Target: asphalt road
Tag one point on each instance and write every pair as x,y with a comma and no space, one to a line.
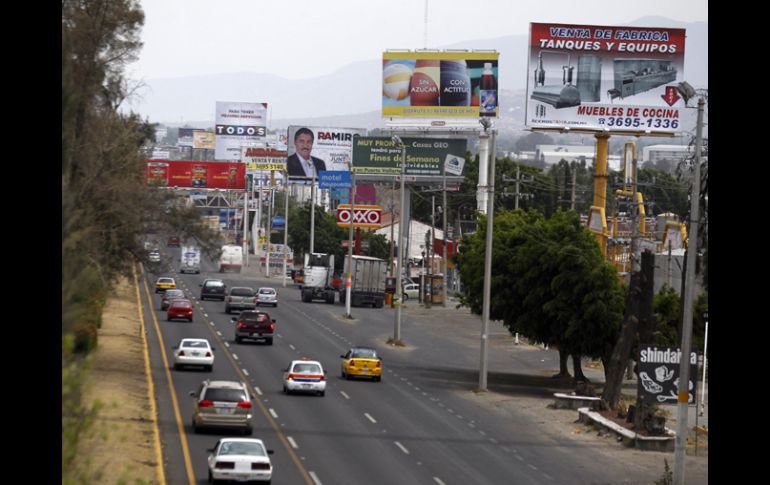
416,426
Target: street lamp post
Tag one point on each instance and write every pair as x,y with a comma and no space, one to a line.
399,247
349,275
680,442
490,192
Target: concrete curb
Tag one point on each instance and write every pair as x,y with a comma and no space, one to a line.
629,438
569,401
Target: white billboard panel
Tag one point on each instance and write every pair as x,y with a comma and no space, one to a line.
238,125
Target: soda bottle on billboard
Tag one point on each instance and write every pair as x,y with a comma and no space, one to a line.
199,177
424,86
455,84
488,92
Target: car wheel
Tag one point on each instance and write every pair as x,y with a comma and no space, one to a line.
285,390
322,393
378,379
168,319
342,374
248,431
269,341
176,366
211,478
406,297
227,310
191,319
195,428
209,368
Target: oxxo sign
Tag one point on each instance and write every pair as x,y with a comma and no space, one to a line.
363,216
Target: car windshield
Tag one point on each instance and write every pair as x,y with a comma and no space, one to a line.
180,304
307,368
214,284
225,395
242,292
165,280
266,291
364,354
241,448
173,294
197,344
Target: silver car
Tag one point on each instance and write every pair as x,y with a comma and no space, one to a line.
222,404
240,298
267,296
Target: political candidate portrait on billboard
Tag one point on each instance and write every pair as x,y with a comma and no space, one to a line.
301,163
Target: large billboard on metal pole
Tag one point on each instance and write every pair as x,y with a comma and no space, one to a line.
424,156
326,148
196,174
605,78
440,84
238,125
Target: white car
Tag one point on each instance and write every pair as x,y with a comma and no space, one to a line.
411,290
240,459
194,351
304,376
267,296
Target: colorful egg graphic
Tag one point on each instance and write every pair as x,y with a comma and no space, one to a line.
395,81
424,88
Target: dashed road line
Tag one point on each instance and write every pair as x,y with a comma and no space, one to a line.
245,371
532,466
549,477
259,391
272,413
344,395
518,457
438,480
227,344
292,442
493,441
292,347
370,418
315,478
219,333
402,447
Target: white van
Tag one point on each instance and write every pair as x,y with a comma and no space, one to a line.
191,260
232,258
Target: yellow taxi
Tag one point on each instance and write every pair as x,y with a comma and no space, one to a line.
362,362
163,284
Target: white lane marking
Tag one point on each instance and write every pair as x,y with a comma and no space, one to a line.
471,425
235,356
549,477
370,418
493,441
402,447
438,480
245,371
518,457
211,323
227,344
532,466
315,478
259,391
292,442
344,395
219,333
272,413
292,347
506,449
416,388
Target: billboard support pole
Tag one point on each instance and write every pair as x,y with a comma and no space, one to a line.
285,224
348,276
487,302
244,238
399,247
312,212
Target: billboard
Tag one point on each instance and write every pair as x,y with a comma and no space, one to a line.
204,140
237,125
424,156
185,138
440,84
616,79
368,216
198,175
258,159
659,374
327,148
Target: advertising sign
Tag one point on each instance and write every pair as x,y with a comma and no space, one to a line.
440,84
185,138
198,175
322,148
334,179
659,374
363,216
263,158
237,125
204,140
424,156
616,79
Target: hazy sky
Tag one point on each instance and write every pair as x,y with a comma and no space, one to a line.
307,38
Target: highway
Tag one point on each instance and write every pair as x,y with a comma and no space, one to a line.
416,426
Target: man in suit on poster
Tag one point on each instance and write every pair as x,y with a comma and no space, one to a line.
301,163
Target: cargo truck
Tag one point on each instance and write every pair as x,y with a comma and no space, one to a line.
367,283
191,260
231,259
318,271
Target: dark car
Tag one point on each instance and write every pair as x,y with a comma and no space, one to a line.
169,295
252,324
213,289
173,241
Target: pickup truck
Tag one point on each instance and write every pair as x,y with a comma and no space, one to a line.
252,324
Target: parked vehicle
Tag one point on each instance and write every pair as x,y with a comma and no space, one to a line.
368,281
222,404
240,459
318,271
213,288
231,259
190,260
240,298
194,351
253,324
411,290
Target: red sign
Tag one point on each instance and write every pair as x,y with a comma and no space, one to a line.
196,175
364,216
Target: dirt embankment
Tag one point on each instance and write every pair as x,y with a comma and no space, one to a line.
121,448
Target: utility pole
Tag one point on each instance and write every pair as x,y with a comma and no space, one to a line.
430,246
349,275
680,442
490,209
516,197
634,216
285,224
574,180
312,212
443,256
400,251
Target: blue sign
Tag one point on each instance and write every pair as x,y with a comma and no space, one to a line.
334,179
278,222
